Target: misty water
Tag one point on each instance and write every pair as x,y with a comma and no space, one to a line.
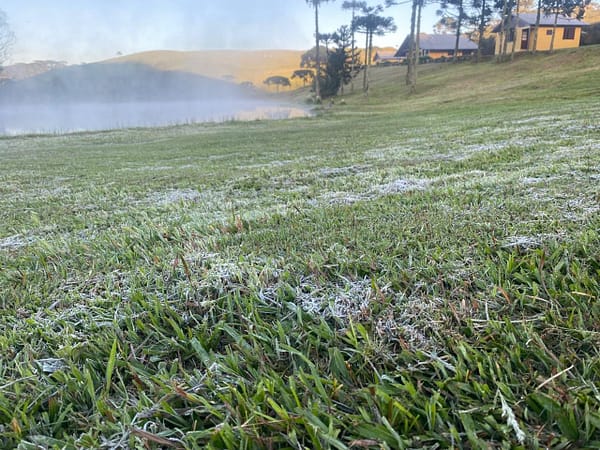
88,116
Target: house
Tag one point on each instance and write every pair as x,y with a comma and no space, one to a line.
521,32
386,58
438,46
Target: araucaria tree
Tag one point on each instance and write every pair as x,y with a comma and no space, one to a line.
315,4
371,23
340,66
353,6
304,74
277,80
6,38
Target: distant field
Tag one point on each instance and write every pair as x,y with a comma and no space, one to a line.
398,272
235,65
238,66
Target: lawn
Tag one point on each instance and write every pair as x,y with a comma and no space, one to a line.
396,272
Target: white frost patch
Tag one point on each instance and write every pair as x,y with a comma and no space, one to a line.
530,242
338,171
348,300
15,241
409,319
174,196
345,198
146,169
581,208
377,191
401,185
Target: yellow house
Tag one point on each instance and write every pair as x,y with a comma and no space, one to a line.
521,33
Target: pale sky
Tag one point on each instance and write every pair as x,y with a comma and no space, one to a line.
91,30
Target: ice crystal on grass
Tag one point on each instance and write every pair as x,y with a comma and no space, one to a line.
348,300
16,241
174,196
338,171
511,420
401,185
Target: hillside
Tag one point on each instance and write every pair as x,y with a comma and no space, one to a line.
20,71
536,78
115,82
231,65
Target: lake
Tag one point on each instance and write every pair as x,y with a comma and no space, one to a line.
74,117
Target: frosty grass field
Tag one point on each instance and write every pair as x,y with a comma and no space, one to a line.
385,275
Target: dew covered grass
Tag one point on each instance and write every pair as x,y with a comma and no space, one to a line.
385,275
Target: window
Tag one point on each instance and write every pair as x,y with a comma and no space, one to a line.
569,33
548,32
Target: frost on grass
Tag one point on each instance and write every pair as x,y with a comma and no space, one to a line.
397,319
530,242
348,300
16,241
174,196
346,198
413,321
376,191
340,171
402,185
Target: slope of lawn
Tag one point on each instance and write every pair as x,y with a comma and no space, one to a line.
397,272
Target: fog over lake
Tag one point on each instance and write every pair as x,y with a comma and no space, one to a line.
89,116
108,96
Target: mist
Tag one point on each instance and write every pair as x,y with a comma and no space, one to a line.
105,96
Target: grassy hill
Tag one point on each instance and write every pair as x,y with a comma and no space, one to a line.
399,271
115,82
231,65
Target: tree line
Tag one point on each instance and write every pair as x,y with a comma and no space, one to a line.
329,69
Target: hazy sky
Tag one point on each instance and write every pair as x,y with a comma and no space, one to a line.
89,30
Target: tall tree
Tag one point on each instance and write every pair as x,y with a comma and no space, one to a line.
507,22
415,27
457,13
7,38
482,18
339,70
354,6
315,4
371,23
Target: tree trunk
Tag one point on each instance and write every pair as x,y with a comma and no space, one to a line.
481,30
537,25
458,26
418,38
502,44
365,75
554,31
411,79
352,63
318,74
514,45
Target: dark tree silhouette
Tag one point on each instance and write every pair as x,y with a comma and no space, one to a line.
315,4
277,80
354,6
304,74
